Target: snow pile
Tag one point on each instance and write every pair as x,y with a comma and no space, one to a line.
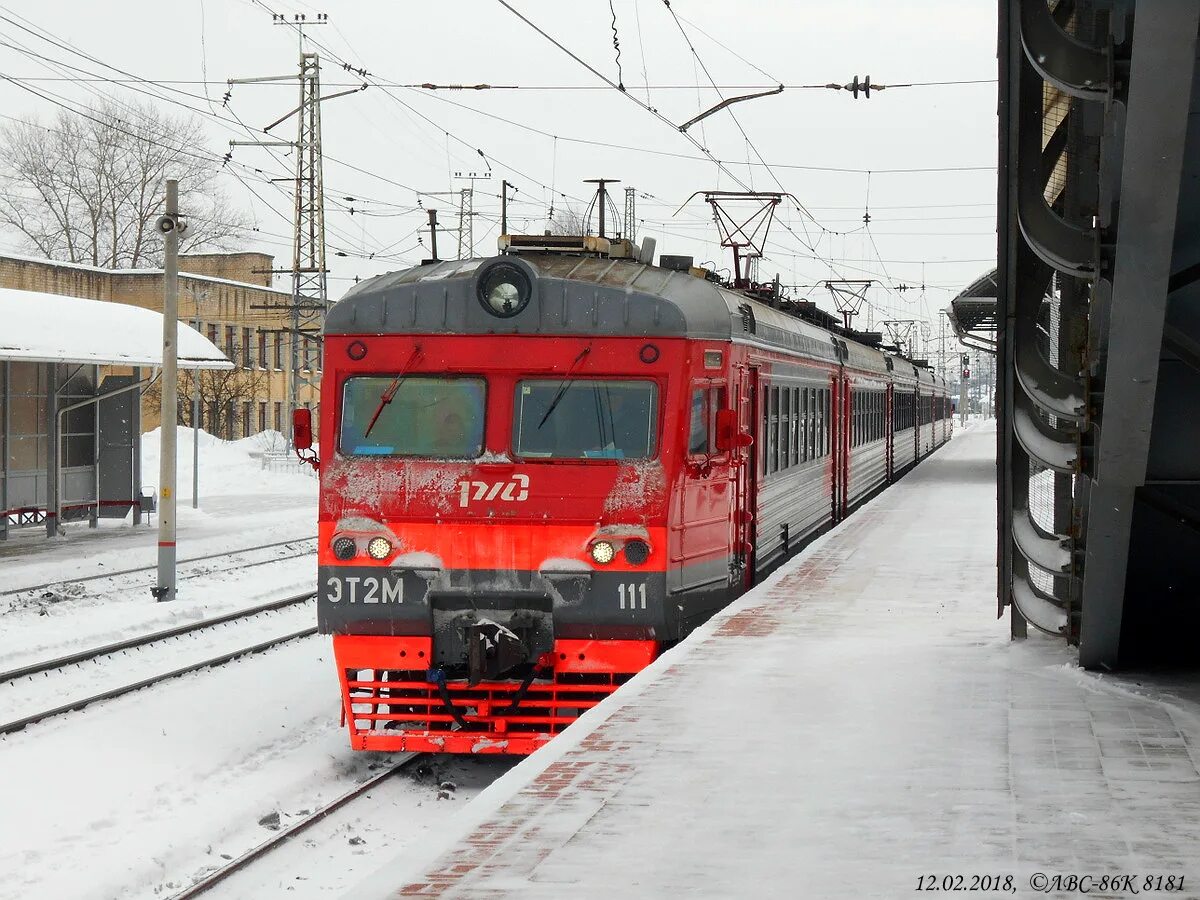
226,467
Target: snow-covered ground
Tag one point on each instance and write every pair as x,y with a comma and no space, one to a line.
241,506
859,725
140,796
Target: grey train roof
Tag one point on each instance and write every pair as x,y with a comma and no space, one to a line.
574,295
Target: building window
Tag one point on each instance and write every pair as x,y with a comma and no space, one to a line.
262,415
247,422
247,349
279,417
229,333
262,350
212,333
279,350
310,353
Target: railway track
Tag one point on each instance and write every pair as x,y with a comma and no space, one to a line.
8,592
214,878
97,654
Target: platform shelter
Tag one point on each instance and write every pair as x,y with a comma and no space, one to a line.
71,371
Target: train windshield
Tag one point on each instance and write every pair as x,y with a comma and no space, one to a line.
440,418
585,419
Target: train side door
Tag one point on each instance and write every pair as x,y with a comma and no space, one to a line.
843,442
707,496
747,394
916,422
889,432
835,446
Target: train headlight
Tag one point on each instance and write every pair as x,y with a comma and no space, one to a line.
344,548
602,552
379,548
636,552
504,289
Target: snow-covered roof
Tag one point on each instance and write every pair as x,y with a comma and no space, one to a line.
118,273
39,327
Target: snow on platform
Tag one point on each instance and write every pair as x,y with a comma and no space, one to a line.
857,722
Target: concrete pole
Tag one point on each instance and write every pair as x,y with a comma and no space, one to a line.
169,227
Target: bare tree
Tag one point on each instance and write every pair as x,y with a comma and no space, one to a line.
87,188
222,393
566,220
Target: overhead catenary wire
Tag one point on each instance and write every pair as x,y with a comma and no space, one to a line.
234,123
462,87
255,171
252,174
484,156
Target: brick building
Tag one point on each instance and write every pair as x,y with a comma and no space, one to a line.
228,297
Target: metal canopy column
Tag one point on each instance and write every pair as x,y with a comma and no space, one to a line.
1164,45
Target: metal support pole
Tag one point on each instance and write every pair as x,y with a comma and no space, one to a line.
433,234
962,394
54,457
170,227
196,424
135,430
503,208
6,434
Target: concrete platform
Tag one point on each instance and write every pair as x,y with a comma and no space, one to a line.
857,723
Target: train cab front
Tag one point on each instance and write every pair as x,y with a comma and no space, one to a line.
493,543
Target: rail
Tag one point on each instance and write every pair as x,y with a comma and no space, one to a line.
212,662
193,559
214,878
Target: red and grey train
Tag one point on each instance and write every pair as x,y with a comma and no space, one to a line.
545,468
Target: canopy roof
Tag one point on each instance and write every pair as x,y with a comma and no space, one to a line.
39,327
972,313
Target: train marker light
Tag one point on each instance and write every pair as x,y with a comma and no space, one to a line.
636,552
602,552
379,548
344,548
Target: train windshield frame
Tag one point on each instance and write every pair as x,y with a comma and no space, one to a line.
426,416
585,419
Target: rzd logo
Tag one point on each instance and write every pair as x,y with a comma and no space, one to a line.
515,491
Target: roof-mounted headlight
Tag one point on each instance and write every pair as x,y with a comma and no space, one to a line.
504,289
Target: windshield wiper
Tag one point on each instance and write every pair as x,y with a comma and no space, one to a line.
562,388
389,394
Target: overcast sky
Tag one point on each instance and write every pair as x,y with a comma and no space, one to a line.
931,226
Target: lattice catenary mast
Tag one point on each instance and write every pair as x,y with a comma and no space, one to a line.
310,295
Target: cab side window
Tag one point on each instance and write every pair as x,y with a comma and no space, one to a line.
702,430
698,433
